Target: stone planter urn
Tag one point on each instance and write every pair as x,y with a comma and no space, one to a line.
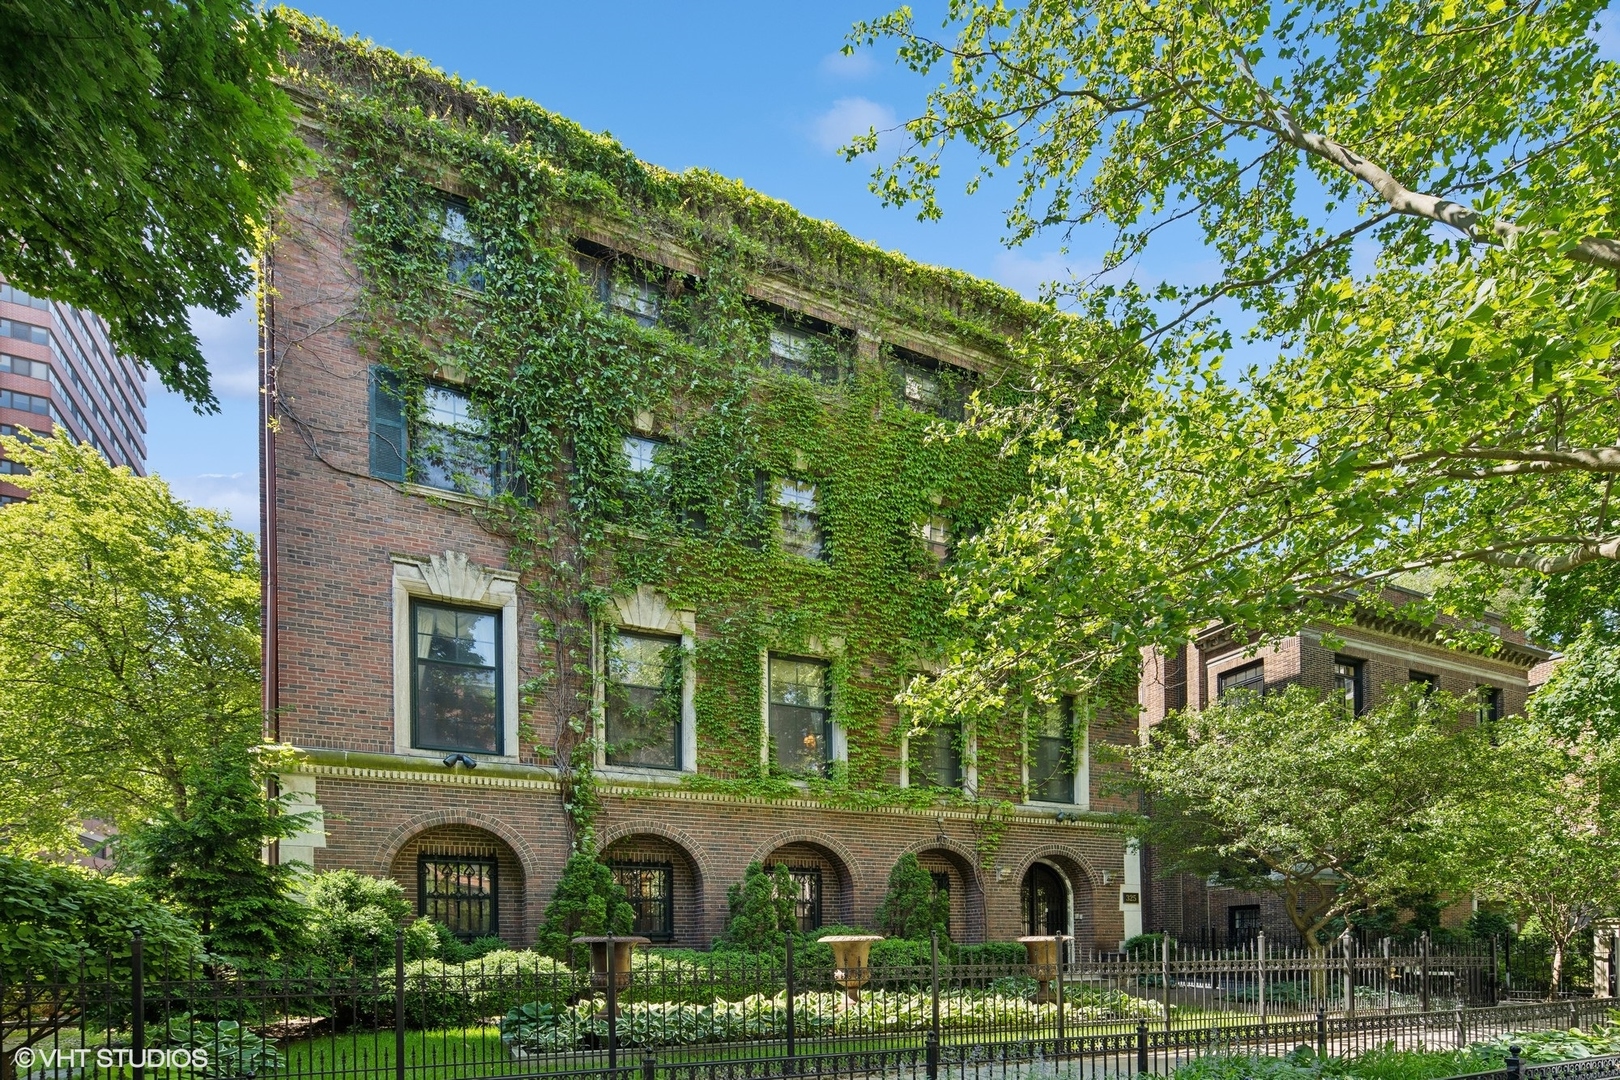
621,947
1043,963
852,959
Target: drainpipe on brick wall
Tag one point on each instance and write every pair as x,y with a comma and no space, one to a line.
268,620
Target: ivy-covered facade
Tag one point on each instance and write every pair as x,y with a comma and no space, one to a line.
609,509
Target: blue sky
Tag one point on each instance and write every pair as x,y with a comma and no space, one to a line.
756,91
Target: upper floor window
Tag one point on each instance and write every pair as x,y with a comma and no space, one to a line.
642,701
1347,684
1250,677
22,331
934,757
450,449
455,679
927,385
641,454
1054,754
936,536
801,519
806,347
1427,679
623,285
463,256
17,296
800,717
1490,703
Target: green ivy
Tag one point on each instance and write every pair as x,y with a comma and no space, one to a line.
560,378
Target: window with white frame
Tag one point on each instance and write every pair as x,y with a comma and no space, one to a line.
456,679
642,701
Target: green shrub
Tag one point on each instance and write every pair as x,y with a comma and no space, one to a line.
587,901
686,975
912,907
992,953
234,1052
452,950
1144,946
440,993
353,920
761,910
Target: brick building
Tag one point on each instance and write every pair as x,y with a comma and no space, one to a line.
57,369
421,669
1367,659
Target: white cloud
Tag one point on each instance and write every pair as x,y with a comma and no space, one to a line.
1026,273
849,117
236,494
230,344
857,65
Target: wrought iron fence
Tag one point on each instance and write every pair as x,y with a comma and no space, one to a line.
714,1016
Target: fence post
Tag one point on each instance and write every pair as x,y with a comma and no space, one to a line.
1387,969
1494,995
649,1067
790,1006
1260,972
1321,1032
1164,950
1349,974
1462,1031
1423,972
399,1006
137,1001
1060,959
1513,1066
612,1005
933,963
931,1055
1573,1022
1141,1047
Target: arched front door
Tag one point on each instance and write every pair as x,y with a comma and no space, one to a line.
1046,901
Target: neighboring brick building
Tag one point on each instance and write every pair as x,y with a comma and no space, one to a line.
1371,655
57,369
400,640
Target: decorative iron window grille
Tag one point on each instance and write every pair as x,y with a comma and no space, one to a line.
1243,923
806,896
460,893
1250,677
455,679
650,889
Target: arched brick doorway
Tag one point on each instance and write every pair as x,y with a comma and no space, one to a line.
466,878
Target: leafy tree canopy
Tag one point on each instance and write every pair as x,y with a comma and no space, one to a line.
1412,207
129,635
1338,814
142,149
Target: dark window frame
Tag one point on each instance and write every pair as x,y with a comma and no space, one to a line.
677,665
665,930
1250,677
827,723
491,897
1357,679
957,767
1239,913
951,403
819,370
463,258
1492,705
1068,721
1430,681
807,911
602,266
498,667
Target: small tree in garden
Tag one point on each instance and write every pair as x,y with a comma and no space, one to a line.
912,907
762,909
587,901
209,865
354,918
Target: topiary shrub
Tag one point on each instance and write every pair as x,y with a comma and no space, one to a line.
762,910
587,901
353,920
912,907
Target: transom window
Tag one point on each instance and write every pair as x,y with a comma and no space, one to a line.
1250,677
452,450
463,256
801,519
650,889
642,701
459,893
936,757
455,679
936,536
1052,755
800,719
1347,683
